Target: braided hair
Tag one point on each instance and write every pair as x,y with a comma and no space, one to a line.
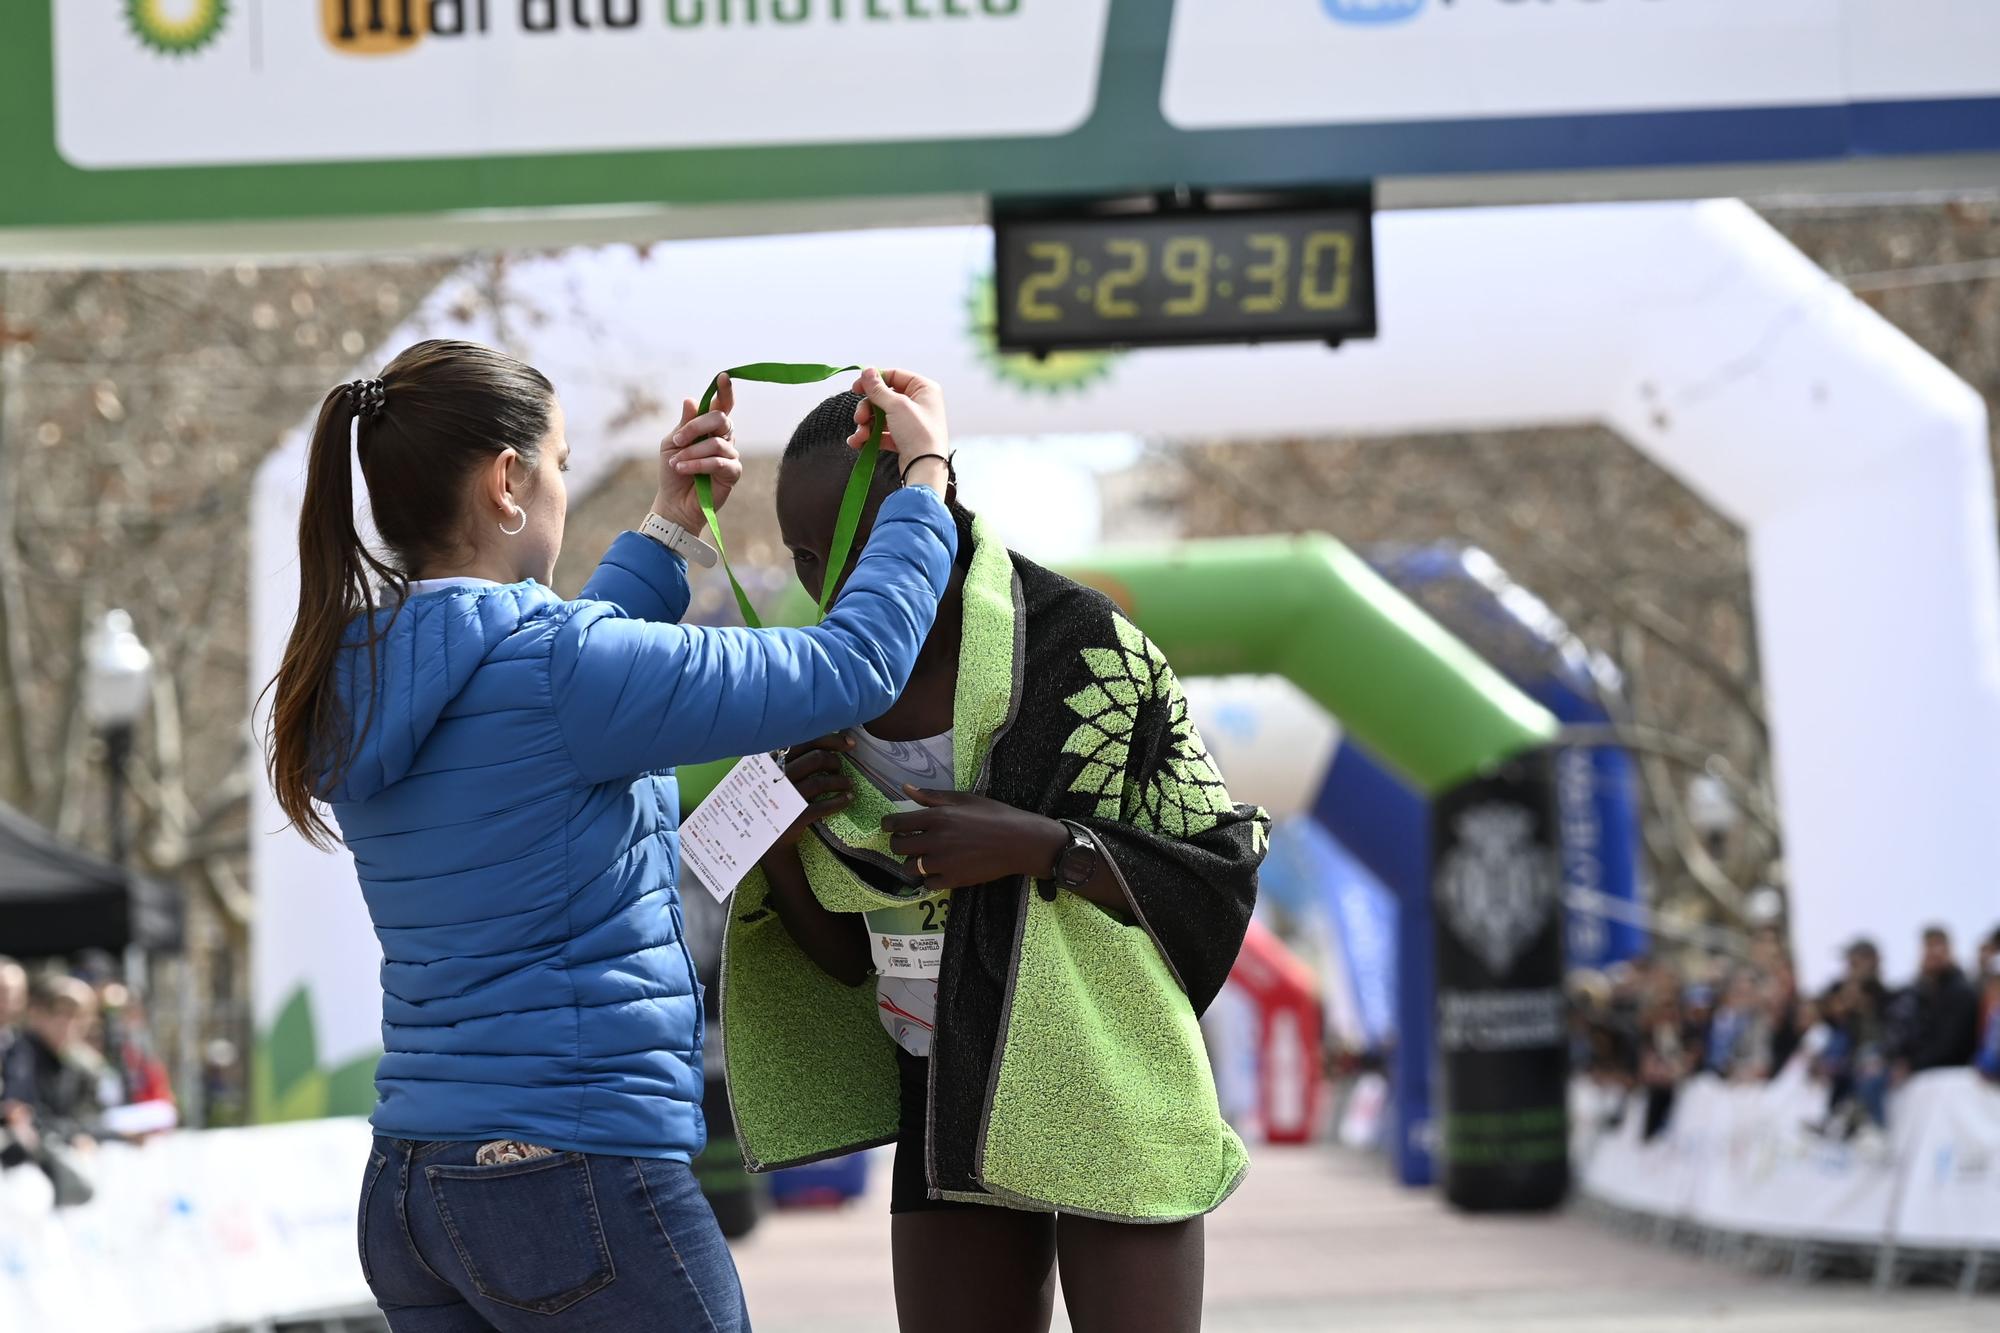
827,429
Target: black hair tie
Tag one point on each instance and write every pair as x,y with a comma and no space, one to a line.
950,462
369,397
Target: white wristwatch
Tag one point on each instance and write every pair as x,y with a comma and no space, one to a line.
679,540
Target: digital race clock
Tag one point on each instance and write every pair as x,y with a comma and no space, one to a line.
1147,272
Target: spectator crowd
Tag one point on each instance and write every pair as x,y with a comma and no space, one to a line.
1647,1026
74,1050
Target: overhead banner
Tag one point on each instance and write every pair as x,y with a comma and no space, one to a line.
1233,64
383,79
539,121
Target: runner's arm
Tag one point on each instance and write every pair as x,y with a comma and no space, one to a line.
837,942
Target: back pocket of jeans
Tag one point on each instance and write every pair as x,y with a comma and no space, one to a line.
528,1233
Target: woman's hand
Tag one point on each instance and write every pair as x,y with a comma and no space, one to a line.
956,839
704,444
916,426
815,771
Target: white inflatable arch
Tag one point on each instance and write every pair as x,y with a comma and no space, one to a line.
1857,464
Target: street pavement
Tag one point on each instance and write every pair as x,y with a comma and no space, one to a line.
1322,1239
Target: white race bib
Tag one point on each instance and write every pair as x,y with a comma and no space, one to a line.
908,942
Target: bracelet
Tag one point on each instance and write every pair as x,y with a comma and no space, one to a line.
678,540
950,473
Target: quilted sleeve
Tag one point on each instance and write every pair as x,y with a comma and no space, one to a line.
641,578
634,696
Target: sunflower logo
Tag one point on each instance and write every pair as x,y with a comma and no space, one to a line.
1058,372
1184,796
177,27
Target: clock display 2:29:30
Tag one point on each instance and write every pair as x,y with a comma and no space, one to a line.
1199,277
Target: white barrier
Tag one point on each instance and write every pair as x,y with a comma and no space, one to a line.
1740,1159
1951,1188
190,1233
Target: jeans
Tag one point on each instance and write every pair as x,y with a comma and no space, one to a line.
573,1243
1871,1090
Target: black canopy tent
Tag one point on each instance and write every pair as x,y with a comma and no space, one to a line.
58,899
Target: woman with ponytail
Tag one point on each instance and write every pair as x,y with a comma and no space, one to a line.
500,763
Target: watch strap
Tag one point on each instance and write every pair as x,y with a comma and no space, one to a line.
1080,841
679,540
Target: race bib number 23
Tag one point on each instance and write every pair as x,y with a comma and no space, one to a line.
909,941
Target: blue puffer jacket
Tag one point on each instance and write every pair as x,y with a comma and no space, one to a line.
514,821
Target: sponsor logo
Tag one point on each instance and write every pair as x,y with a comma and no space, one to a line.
1054,374
177,27
1384,13
385,27
1496,888
1372,13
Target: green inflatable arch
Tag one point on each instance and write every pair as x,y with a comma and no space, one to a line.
1308,609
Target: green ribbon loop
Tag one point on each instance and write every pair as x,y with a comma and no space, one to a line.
851,503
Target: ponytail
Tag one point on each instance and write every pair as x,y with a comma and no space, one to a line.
311,744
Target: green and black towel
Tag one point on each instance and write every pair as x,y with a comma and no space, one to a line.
1067,1067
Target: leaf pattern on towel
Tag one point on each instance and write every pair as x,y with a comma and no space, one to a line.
1183,796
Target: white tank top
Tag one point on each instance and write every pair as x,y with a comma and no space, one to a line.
907,1004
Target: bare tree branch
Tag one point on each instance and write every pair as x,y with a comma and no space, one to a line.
1751,799
20,771
1670,633
72,729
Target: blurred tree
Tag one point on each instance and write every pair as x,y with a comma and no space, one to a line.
135,408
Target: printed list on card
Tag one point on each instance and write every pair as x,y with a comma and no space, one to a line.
742,819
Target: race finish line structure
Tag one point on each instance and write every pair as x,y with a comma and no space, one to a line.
1740,367
189,128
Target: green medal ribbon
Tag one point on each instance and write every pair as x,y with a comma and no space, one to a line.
851,504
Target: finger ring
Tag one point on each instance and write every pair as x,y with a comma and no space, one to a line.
921,872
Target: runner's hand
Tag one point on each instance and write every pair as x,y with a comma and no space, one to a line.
816,773
965,839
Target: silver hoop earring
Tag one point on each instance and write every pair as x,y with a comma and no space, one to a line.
517,529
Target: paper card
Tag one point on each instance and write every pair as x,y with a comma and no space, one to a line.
742,819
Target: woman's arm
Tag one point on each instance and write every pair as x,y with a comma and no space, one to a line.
633,697
642,578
